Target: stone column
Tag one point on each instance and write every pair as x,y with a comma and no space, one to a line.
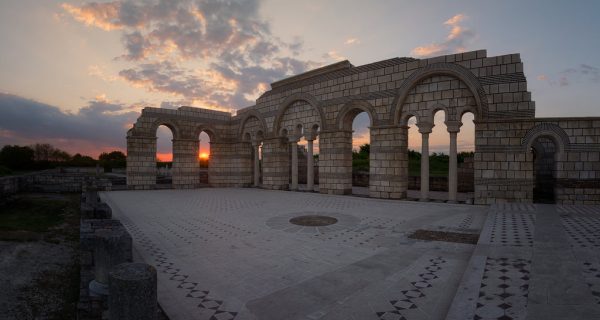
387,162
111,247
141,161
186,170
132,292
230,165
453,129
425,130
256,146
310,173
335,162
294,146
276,170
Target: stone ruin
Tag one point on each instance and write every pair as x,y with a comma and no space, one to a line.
518,157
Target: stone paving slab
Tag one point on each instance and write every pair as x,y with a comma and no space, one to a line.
232,254
533,262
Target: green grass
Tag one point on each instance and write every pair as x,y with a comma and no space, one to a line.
438,167
33,214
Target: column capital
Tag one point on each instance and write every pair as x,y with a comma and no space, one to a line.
294,139
310,136
453,126
425,127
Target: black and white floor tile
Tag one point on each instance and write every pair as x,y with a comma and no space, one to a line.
591,273
512,229
211,306
504,289
418,290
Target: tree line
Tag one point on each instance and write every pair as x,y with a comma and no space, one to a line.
438,162
45,156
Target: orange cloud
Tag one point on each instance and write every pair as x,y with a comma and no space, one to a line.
456,39
101,15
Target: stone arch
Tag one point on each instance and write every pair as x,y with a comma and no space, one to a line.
249,115
172,125
449,69
289,101
460,112
353,108
406,116
210,131
432,110
554,132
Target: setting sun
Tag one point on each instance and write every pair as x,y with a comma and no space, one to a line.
203,156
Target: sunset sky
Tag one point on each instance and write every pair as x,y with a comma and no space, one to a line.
76,74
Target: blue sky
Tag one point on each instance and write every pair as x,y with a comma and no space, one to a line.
70,66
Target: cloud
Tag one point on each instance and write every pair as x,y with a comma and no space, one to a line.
98,126
457,39
351,41
217,53
100,72
583,73
333,55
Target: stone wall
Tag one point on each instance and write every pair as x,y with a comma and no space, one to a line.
504,161
323,102
45,181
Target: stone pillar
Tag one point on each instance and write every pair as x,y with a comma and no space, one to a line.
453,129
230,164
186,169
275,154
294,146
111,247
335,162
132,292
388,162
310,173
141,162
425,130
256,146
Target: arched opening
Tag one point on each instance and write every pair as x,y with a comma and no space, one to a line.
545,153
361,152
466,158
439,141
204,157
257,147
414,158
164,155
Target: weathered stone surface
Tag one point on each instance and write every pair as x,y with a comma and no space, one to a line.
325,101
112,246
132,292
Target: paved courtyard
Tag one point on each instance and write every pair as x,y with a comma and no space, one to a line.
233,254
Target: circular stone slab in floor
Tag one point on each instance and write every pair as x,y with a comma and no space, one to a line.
335,222
313,220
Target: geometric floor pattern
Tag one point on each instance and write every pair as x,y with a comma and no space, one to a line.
591,272
418,290
512,229
233,253
504,289
210,306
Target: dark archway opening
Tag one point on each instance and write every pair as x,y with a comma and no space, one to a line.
544,170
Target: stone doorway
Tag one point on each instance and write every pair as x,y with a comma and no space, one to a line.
544,170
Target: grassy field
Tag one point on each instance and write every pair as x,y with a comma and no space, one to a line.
39,245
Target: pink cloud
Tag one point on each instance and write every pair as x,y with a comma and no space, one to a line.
456,41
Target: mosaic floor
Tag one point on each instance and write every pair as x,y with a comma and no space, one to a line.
233,254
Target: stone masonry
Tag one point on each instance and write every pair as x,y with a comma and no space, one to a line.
323,103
